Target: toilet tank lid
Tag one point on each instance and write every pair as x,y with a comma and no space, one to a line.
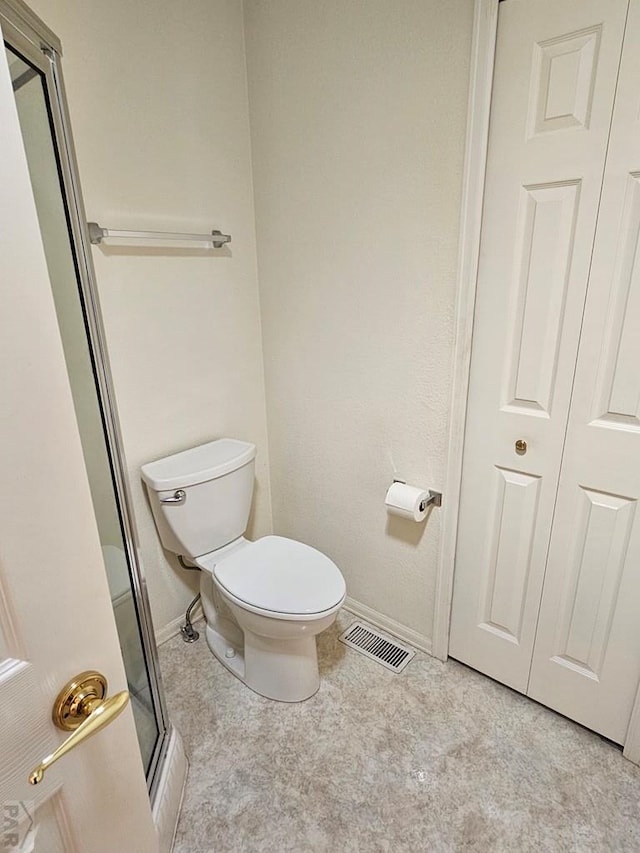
198,464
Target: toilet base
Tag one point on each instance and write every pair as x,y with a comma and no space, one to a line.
286,671
221,649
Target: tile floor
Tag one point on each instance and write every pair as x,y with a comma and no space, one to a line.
437,758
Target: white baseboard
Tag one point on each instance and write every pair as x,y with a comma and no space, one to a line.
168,796
414,638
379,620
173,628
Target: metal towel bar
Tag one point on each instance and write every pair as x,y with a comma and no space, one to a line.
97,234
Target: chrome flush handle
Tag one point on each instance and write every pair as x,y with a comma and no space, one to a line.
179,497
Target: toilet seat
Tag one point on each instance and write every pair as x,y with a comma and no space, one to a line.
279,576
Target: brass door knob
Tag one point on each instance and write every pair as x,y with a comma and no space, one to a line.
521,446
81,708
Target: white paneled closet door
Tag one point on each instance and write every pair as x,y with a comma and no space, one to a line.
587,653
554,86
547,583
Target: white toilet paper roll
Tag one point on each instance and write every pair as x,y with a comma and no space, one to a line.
407,501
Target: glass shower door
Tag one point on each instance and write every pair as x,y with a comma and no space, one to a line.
86,366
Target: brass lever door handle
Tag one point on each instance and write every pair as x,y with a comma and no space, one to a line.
81,708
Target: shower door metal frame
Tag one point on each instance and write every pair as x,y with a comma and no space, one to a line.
29,35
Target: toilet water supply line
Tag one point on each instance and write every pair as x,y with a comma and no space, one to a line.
189,633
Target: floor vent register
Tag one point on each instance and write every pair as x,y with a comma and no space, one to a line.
377,646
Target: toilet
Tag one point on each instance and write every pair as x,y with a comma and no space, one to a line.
264,601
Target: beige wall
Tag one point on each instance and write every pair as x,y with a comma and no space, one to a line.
158,101
358,124
357,129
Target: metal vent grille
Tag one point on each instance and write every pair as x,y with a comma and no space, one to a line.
377,646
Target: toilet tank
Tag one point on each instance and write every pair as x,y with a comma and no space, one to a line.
217,481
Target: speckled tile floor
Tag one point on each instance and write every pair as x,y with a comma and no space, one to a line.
437,758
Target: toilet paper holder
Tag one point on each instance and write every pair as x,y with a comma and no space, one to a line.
432,499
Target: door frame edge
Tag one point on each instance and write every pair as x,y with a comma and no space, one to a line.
483,48
631,745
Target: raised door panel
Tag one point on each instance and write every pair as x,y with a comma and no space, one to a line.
508,560
563,80
554,85
600,537
545,241
617,398
586,662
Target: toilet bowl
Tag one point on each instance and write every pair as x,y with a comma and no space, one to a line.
282,594
264,601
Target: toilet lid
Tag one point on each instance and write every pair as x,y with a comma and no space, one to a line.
281,575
